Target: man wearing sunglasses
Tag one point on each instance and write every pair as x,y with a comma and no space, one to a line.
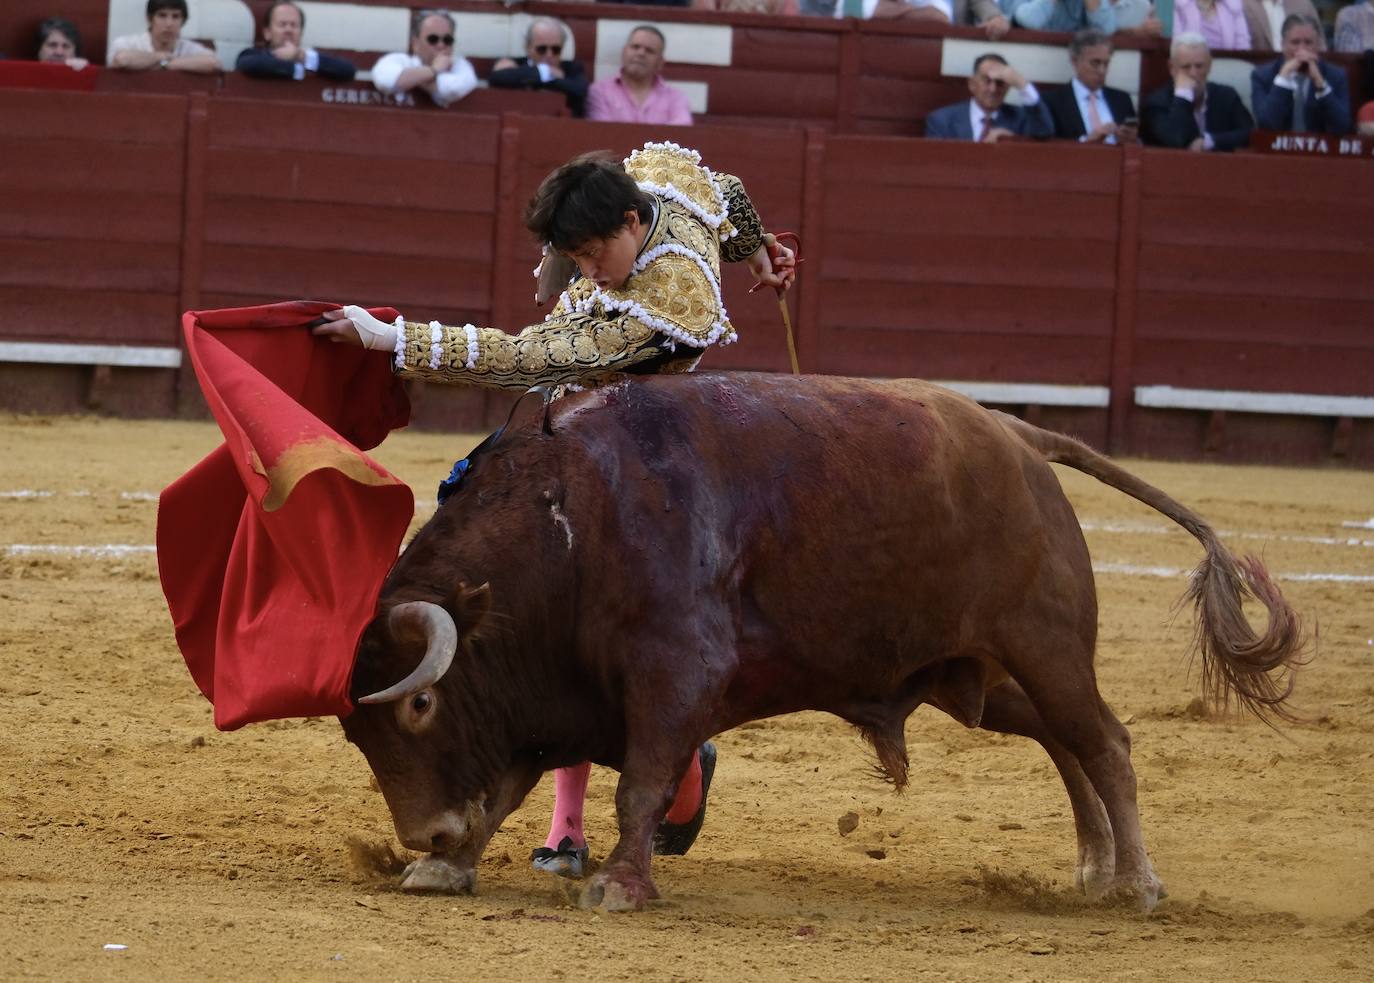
543,66
432,65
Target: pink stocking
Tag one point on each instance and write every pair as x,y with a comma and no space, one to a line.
569,791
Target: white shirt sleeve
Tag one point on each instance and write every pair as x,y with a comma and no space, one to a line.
186,48
1030,95
457,82
388,70
129,42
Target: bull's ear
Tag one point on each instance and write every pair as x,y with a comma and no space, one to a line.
470,607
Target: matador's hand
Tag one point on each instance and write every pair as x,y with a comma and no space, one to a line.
355,326
773,264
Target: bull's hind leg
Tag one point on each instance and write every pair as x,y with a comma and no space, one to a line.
1007,710
1061,687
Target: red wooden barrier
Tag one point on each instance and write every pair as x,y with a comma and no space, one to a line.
1037,263
966,261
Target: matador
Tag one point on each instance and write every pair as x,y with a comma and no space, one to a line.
647,237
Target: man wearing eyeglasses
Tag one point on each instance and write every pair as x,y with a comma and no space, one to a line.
543,66
432,65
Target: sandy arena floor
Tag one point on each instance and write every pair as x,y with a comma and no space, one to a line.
126,819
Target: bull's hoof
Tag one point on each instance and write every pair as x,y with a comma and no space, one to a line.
1095,881
611,895
434,874
1141,894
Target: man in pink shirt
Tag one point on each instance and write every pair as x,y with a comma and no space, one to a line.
638,93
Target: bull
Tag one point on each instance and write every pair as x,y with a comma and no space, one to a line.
669,557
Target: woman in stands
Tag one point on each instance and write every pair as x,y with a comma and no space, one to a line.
1221,22
59,42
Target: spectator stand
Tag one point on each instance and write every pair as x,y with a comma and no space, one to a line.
848,76
1059,271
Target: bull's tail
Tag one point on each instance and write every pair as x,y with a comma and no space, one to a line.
1256,671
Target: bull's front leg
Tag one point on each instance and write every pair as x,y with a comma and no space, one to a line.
670,703
646,787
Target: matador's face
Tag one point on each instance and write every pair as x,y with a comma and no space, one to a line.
608,262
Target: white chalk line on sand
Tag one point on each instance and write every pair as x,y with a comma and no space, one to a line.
1132,570
23,493
1153,529
121,550
423,507
115,550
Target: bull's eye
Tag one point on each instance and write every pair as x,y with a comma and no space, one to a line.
416,713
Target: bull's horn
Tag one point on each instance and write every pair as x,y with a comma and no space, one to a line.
437,626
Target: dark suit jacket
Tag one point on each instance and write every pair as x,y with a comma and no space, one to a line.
1068,121
1169,122
573,84
1274,103
953,123
261,63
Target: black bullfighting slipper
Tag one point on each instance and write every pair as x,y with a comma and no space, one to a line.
675,839
566,861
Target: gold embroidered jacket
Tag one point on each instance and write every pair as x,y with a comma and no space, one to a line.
671,298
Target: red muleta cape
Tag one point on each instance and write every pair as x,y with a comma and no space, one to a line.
273,549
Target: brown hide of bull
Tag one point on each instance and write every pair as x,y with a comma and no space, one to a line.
686,553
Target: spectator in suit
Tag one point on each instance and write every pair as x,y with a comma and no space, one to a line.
543,66
1221,23
1265,20
59,42
1299,92
162,46
1191,113
1355,27
985,117
637,93
1087,110
283,56
1061,15
432,66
